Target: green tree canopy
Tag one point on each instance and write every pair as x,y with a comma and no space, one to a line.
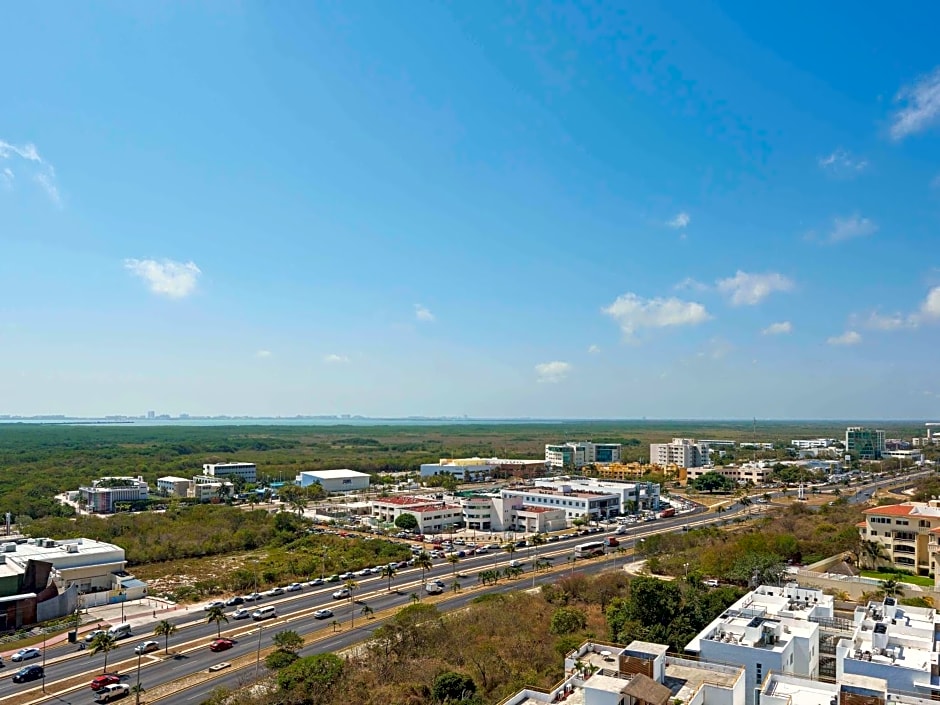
567,620
453,687
406,522
314,678
711,481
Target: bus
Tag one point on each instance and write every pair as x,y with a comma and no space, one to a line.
591,548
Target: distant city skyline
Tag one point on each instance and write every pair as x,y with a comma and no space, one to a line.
545,210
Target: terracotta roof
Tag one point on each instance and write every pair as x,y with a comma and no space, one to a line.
861,524
400,501
540,510
644,689
894,510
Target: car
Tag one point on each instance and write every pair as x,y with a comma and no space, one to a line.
221,644
28,673
439,583
241,613
375,571
234,601
115,691
273,592
294,587
90,636
253,597
481,549
622,530
323,614
212,605
333,579
346,576
26,654
711,582
104,679
515,564
316,582
363,573
341,593
146,647
553,539
493,547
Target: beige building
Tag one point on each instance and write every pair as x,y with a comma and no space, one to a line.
755,473
631,471
906,533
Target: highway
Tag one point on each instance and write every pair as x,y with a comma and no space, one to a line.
70,671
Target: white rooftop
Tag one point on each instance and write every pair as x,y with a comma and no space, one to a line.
334,474
84,552
172,478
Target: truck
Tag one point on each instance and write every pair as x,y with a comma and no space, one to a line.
611,542
666,513
432,588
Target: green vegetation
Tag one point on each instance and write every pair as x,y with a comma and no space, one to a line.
885,576
406,522
713,482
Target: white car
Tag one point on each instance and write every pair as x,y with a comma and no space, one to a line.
26,654
341,593
323,614
294,587
711,582
115,691
241,613
146,647
215,603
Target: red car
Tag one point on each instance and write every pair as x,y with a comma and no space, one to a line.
105,679
221,644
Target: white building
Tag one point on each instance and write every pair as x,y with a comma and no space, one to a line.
90,565
334,481
811,443
491,511
578,454
206,488
433,516
642,495
101,496
684,452
767,630
246,471
757,473
780,689
175,486
895,643
578,503
463,473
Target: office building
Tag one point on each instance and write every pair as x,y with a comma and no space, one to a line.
864,443
578,454
781,689
492,511
905,533
684,452
477,469
433,516
102,495
334,481
632,496
246,471
173,486
757,473
578,503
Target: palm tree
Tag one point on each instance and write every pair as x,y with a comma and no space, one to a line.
423,561
892,587
453,559
874,551
415,598
336,625
367,611
537,541
389,572
103,642
510,548
165,629
216,614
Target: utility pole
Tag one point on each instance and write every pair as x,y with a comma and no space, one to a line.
258,657
139,656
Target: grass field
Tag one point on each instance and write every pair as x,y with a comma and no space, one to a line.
921,580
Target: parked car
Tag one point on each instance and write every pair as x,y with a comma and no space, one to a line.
234,601
146,647
26,654
346,576
363,573
221,644
294,587
241,613
103,680
115,691
333,579
316,582
28,673
341,593
711,582
210,605
323,614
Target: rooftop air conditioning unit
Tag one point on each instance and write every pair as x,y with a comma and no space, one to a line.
3,559
71,548
9,548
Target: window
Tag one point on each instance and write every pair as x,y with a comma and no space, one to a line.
760,673
901,522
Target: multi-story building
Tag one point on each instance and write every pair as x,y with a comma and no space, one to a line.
578,503
633,496
175,486
630,471
641,673
864,443
769,629
491,511
904,531
433,516
246,471
684,452
461,472
101,496
578,454
757,473
782,689
208,489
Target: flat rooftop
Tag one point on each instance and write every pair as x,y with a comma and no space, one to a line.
684,677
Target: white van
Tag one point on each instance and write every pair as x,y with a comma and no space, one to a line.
119,631
433,589
264,613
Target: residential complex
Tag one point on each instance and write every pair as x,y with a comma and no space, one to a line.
246,471
632,471
906,533
684,452
754,473
864,443
334,481
578,454
783,689
102,495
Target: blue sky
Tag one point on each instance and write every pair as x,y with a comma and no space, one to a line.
493,209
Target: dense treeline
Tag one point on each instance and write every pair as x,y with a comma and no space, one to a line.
37,462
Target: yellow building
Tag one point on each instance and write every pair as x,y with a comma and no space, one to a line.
631,471
906,533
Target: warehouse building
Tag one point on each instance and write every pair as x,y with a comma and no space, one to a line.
334,481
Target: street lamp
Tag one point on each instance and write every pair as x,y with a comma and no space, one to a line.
43,660
258,658
139,656
123,596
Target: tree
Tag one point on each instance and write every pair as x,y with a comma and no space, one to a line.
406,521
711,481
313,678
165,629
367,612
453,559
216,614
424,562
389,572
510,548
453,687
288,640
537,540
103,643
873,551
567,620
892,587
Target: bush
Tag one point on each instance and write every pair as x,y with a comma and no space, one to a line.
279,658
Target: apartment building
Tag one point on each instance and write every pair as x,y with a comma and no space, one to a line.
632,471
894,643
640,673
771,629
904,532
811,443
246,471
782,689
757,473
684,452
101,496
578,454
864,443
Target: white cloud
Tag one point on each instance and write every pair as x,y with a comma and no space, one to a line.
931,306
718,348
692,284
842,164
781,328
850,337
167,278
921,106
42,171
633,312
681,220
552,372
852,227
891,321
263,353
593,349
334,359
750,289
423,314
